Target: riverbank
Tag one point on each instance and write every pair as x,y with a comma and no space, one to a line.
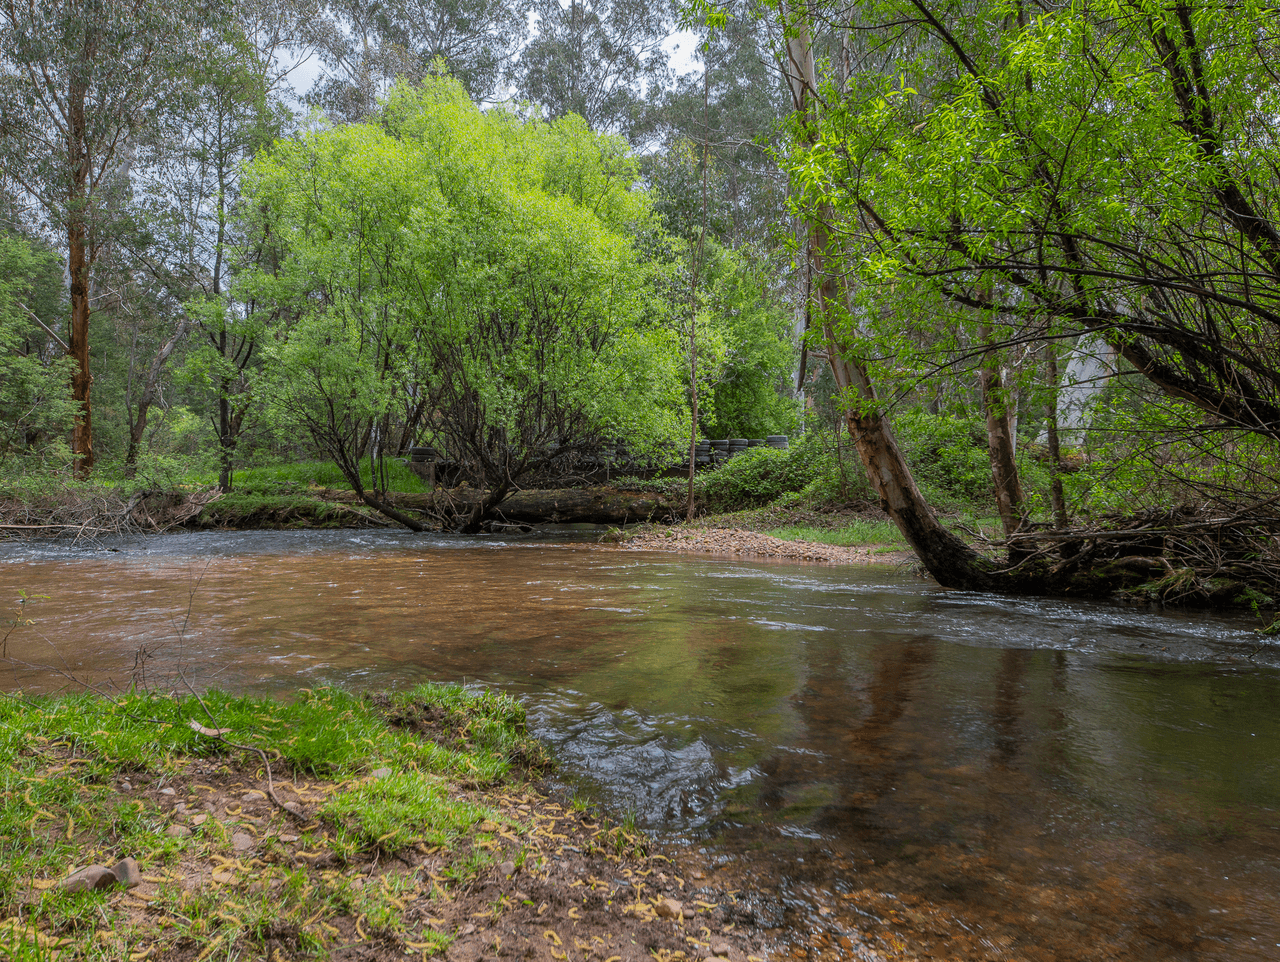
740,542
144,827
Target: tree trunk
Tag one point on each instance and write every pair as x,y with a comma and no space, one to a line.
138,423
78,346
1004,467
1056,494
944,555
79,262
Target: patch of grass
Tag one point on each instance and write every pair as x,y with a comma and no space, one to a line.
280,479
63,760
400,810
856,531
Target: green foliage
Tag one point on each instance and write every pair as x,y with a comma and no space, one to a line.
35,399
751,374
761,475
1017,179
295,477
471,258
948,456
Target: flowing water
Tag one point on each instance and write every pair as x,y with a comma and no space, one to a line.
881,767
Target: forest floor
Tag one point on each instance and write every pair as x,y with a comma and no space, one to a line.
209,857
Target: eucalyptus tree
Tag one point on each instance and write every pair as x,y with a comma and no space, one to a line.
234,107
474,41
735,109
600,59
1097,168
470,265
79,82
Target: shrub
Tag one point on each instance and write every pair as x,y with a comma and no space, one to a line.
758,476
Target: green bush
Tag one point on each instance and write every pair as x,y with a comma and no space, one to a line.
758,476
948,456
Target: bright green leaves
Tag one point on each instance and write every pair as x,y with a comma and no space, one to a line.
470,258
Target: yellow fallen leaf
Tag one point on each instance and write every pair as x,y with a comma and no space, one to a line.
552,937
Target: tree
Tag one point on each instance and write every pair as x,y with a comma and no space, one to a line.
35,403
475,41
78,83
599,59
193,192
1100,169
476,266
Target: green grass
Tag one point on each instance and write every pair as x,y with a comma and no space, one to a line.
62,760
297,476
858,531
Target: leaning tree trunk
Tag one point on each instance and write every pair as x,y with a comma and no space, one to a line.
945,556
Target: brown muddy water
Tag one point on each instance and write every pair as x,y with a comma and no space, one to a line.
884,769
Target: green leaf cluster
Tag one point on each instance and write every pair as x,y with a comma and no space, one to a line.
476,259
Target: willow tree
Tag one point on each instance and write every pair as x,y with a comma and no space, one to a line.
1012,172
479,266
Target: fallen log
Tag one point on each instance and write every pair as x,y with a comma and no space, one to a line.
598,505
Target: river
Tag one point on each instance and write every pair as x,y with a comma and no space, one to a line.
885,768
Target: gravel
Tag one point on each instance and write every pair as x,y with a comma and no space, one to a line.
740,543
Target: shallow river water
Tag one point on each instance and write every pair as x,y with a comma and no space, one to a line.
881,767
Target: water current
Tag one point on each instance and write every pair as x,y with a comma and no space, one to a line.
879,766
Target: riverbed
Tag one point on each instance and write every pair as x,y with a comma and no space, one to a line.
886,768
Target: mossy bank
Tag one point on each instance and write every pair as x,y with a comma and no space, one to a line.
327,827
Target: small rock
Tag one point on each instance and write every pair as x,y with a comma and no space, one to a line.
177,831
522,808
689,913
380,772
126,787
242,841
209,807
669,909
507,869
466,929
288,838
199,819
89,878
720,948
180,807
293,807
699,876
522,896
167,791
127,873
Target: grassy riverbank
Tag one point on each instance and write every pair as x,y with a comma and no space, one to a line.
331,826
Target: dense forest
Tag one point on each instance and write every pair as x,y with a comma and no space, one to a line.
1023,256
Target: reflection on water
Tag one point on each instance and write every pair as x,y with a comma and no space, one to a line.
880,763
